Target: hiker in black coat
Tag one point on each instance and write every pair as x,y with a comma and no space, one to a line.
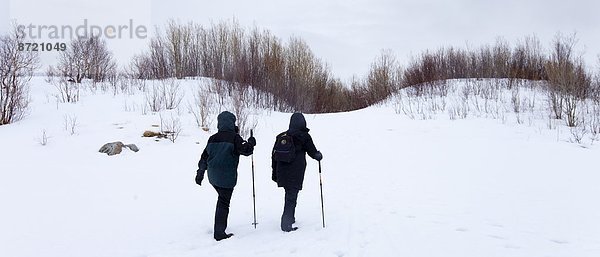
221,157
290,176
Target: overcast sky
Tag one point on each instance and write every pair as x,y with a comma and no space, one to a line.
347,35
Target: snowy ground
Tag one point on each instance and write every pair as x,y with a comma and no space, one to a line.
393,186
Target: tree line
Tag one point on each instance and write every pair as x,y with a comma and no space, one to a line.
287,75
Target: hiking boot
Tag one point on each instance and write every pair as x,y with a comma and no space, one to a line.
219,238
290,229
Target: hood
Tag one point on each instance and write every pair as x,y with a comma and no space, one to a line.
297,122
226,121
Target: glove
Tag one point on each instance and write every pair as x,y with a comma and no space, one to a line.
199,179
237,129
318,156
252,141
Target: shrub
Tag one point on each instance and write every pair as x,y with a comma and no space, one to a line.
16,69
86,58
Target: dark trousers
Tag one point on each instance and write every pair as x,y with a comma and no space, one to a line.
222,211
289,208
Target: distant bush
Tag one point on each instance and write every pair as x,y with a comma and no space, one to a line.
16,69
383,78
68,92
524,61
86,58
596,84
170,126
569,83
203,108
289,76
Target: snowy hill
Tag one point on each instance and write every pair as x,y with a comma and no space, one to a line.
393,185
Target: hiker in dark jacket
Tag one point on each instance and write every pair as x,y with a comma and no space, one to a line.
221,157
290,175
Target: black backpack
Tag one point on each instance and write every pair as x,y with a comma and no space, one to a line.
284,150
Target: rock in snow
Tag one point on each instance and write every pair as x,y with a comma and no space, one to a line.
116,148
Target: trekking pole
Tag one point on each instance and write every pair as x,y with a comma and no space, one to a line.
321,184
253,190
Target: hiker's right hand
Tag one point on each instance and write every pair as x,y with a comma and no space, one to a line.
318,156
252,141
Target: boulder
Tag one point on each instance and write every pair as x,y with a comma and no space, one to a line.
116,148
132,147
154,134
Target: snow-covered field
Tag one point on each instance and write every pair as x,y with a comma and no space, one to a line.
392,186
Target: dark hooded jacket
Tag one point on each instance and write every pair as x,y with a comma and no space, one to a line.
222,153
291,175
